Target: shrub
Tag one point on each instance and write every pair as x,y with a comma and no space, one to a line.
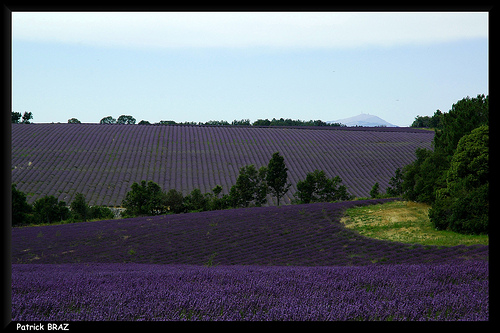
20,207
318,188
48,210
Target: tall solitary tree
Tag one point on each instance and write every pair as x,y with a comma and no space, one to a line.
277,176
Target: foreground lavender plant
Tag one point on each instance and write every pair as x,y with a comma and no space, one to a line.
451,291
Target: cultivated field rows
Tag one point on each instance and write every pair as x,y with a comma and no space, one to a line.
102,161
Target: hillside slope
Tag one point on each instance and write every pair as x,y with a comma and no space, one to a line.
103,161
297,235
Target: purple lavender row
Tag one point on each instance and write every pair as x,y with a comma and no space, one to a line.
102,162
300,235
451,291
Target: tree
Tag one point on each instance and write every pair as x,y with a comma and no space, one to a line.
145,199
27,116
144,122
174,201
48,210
16,116
395,187
20,207
277,176
74,121
196,201
317,187
123,119
464,116
79,208
375,191
250,187
464,204
108,120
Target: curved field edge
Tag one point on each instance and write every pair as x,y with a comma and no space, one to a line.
406,222
75,292
103,161
292,235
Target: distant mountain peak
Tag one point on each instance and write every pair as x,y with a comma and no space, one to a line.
363,119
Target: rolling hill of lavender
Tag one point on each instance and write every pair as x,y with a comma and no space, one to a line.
293,262
103,161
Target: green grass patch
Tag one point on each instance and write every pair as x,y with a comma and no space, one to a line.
406,222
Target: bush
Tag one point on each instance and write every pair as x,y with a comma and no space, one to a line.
174,201
49,210
21,209
464,204
318,188
80,210
146,199
375,191
101,213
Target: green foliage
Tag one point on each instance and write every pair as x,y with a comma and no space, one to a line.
145,199
21,209
319,188
123,119
276,177
436,121
196,201
27,116
464,204
174,201
49,210
108,120
375,191
74,121
424,176
15,117
101,213
464,116
395,187
79,208
250,188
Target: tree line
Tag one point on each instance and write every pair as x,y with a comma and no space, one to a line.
252,188
452,177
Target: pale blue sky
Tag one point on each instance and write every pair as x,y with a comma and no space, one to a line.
226,66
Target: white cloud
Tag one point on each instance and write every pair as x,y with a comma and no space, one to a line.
245,29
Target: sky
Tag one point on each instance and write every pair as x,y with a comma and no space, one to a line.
201,66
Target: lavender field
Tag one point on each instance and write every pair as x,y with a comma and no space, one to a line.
103,161
295,262
64,292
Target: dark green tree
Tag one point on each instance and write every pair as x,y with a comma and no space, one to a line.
145,199
464,204
124,119
276,177
250,188
375,191
196,201
27,116
79,208
464,116
101,213
108,120
317,187
74,121
395,187
49,210
174,201
16,116
21,209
